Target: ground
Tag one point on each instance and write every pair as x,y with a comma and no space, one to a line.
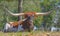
35,33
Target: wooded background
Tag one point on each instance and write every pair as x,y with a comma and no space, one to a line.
30,5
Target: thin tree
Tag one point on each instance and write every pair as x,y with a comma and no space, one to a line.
20,8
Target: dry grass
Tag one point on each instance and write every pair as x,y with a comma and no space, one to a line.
36,33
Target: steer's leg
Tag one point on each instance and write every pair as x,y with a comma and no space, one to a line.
31,27
20,28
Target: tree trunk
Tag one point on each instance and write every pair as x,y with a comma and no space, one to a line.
20,8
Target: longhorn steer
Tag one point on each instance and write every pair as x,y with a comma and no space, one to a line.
27,24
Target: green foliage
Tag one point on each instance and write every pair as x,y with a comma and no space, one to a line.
48,6
29,5
38,21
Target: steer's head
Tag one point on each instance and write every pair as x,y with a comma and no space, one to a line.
29,15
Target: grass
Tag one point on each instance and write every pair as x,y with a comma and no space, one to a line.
35,33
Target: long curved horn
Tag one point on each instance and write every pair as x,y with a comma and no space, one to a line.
14,14
46,13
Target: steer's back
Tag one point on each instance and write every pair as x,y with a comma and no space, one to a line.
14,24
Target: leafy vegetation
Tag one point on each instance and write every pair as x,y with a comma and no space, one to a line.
29,5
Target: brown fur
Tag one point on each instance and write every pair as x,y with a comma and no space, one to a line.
27,25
